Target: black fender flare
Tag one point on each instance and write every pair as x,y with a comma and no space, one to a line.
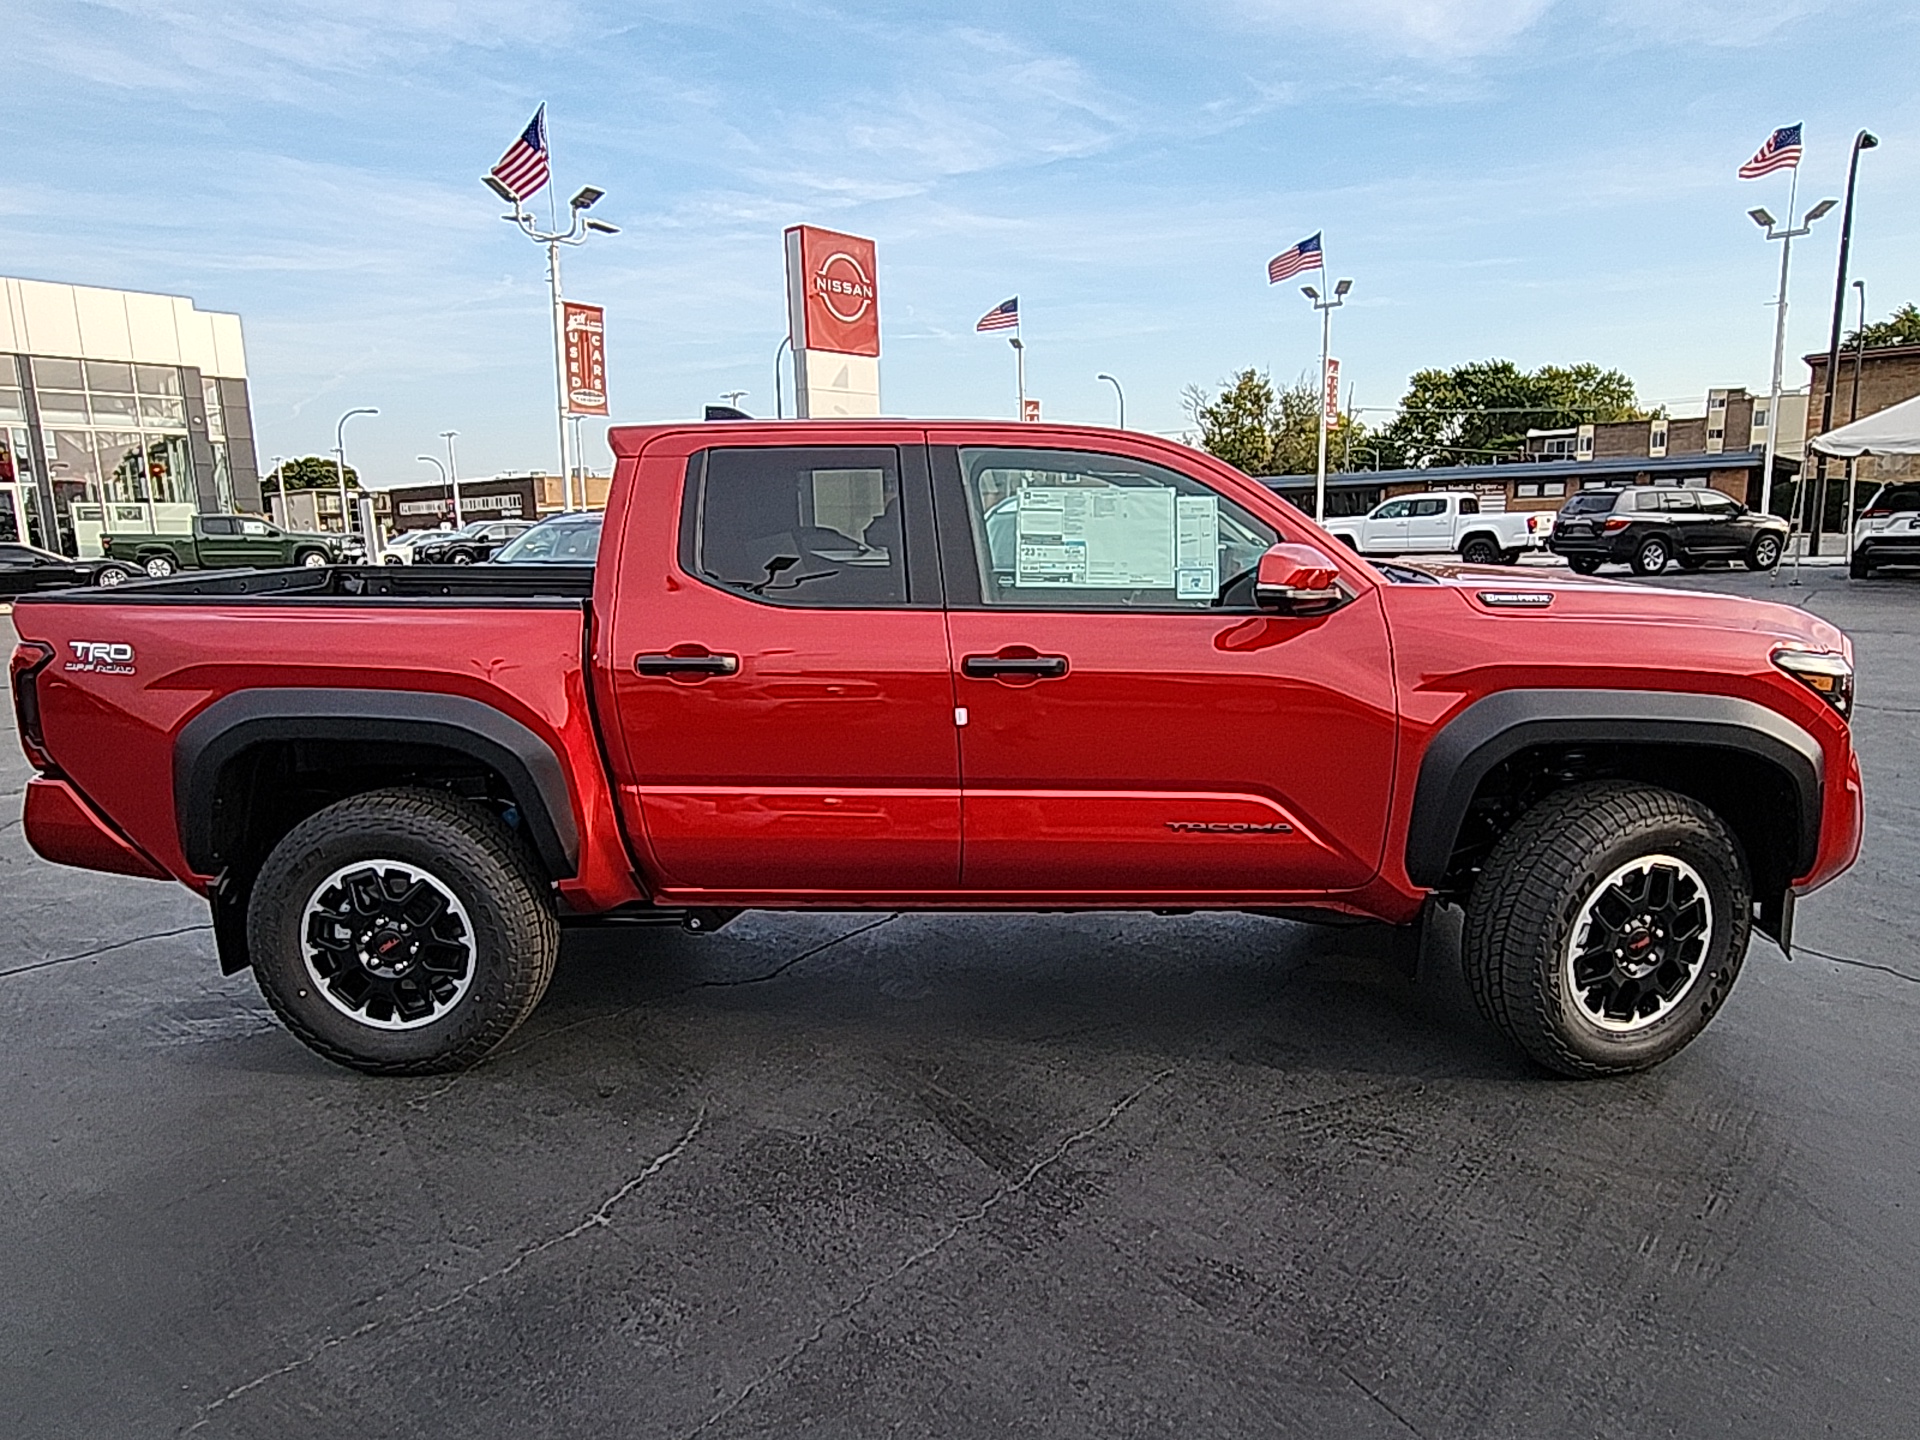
246,718
1501,725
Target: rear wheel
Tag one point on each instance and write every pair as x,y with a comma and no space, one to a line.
112,575
460,557
1652,556
1764,553
402,932
1480,550
1607,927
1583,564
159,566
1859,567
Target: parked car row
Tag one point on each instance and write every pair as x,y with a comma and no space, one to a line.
1650,527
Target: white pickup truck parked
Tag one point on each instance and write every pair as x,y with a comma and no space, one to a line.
1442,522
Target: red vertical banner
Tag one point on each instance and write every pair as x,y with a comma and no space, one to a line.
585,329
1030,410
1333,391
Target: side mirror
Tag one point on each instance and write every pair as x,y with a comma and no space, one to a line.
1297,580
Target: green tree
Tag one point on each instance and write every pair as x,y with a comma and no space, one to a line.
1900,328
309,472
1267,432
1481,411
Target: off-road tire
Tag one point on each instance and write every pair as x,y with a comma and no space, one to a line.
1859,567
1532,891
1480,550
1764,553
1652,556
515,934
1584,564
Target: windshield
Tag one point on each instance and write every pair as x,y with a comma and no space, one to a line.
570,541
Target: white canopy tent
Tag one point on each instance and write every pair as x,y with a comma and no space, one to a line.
1893,431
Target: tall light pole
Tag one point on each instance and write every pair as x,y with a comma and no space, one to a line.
578,228
280,478
434,460
1119,392
1853,409
1326,307
1865,140
1019,372
1786,238
734,397
340,465
453,476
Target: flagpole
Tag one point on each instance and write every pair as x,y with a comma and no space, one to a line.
1020,368
1779,353
1320,401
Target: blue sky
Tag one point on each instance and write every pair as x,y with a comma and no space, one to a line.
1541,180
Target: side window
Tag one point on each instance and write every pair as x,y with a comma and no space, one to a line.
1646,500
1469,505
1432,505
807,525
15,555
1393,510
1064,529
1714,502
1678,500
258,528
216,525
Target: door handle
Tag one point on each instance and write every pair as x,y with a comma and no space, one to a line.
702,664
1040,667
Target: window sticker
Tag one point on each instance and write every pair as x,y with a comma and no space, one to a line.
1120,537
1196,547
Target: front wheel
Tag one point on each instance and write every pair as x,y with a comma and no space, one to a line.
112,575
1480,550
313,559
159,566
402,932
1583,564
1764,553
1607,927
460,557
1652,556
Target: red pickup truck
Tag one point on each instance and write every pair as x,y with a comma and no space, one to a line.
942,665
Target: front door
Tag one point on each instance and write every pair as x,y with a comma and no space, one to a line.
784,694
1133,725
1384,532
1429,525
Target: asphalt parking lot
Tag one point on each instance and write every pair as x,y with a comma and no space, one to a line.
934,1176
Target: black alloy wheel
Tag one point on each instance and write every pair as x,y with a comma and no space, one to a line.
1480,550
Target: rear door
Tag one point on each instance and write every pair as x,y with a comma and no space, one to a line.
785,712
1132,725
216,537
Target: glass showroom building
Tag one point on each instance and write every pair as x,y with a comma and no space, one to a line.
118,410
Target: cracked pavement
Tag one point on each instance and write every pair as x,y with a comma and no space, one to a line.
1058,1176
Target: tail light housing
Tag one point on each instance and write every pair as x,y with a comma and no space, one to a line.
30,657
1533,524
1615,524
1875,514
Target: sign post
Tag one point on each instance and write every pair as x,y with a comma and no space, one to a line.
833,320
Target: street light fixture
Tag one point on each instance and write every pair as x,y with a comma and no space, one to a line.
1326,308
578,227
1786,238
453,470
1119,392
733,397
340,465
434,460
1865,140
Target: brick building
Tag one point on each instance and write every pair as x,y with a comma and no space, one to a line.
1888,375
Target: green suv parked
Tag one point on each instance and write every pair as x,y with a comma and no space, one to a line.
221,542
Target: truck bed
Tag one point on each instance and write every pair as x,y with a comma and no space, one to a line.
347,584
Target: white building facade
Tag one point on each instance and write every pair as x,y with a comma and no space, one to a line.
115,404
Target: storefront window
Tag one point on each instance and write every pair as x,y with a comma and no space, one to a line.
122,461
157,379
115,433
58,375
63,407
109,377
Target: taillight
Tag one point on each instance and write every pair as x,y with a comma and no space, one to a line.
1828,675
30,657
1533,524
1615,524
1875,514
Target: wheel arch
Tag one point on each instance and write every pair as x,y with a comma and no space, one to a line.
1502,753
305,748
1480,532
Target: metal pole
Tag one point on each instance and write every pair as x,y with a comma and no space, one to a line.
1853,409
453,470
1779,355
280,477
340,464
778,410
1119,392
1863,141
1320,410
560,370
1020,372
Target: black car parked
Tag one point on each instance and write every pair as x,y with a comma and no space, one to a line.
1651,526
27,568
470,544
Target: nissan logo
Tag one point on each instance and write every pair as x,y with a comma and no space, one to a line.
843,287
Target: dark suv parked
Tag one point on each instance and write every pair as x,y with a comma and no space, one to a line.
1650,526
469,545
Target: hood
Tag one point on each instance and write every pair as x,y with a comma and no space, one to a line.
1503,590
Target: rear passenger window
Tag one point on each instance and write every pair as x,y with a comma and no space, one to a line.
801,526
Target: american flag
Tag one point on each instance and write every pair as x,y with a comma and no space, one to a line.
523,169
1004,316
1781,152
1304,256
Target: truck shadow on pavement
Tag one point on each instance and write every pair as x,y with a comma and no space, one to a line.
1239,989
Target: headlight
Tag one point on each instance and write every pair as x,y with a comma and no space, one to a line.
1828,675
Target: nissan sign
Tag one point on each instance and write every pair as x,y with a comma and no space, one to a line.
836,281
